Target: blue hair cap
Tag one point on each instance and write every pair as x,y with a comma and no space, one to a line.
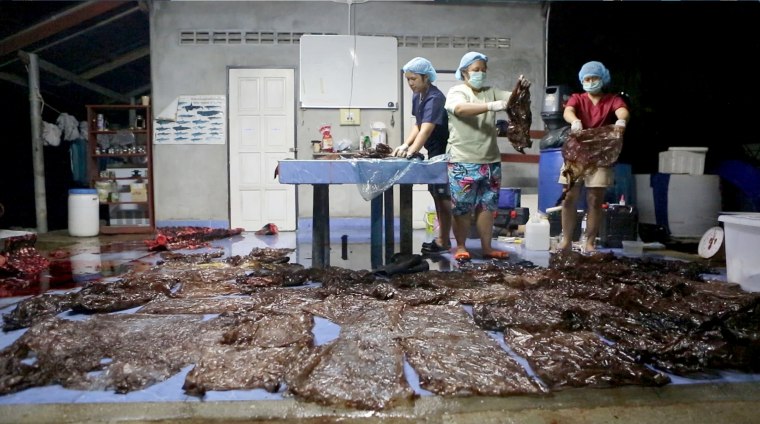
596,69
467,60
422,66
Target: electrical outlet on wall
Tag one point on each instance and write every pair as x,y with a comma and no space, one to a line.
350,117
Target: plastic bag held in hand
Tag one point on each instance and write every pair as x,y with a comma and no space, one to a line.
576,126
520,117
586,150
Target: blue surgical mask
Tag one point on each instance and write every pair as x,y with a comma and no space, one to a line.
477,79
593,87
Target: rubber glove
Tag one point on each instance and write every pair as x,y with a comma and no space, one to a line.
576,125
524,83
620,123
497,105
400,151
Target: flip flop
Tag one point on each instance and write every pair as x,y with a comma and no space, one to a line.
462,256
496,254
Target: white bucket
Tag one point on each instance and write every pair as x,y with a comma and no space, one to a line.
84,212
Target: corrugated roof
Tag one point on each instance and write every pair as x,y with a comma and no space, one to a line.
88,52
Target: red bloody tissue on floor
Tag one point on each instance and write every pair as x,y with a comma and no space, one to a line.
268,230
174,238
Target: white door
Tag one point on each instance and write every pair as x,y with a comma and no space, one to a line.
262,132
421,198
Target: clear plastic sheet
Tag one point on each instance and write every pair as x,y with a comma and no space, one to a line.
580,359
376,179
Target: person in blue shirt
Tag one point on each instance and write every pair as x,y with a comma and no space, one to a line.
431,131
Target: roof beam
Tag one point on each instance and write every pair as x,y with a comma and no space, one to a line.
59,22
13,78
116,63
47,66
139,91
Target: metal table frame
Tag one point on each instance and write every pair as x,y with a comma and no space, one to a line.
320,174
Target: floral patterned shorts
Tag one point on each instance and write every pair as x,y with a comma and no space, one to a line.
474,186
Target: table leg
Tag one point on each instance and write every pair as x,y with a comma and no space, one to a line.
390,225
376,232
320,232
405,218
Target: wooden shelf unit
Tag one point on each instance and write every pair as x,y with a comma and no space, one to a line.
120,165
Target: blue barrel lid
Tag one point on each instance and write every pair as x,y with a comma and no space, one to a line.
83,191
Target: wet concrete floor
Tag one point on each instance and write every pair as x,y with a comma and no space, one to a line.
74,261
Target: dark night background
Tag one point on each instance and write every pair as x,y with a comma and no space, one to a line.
686,66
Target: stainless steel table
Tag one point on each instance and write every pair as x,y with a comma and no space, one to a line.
376,176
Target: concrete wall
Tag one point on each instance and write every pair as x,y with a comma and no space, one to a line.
191,181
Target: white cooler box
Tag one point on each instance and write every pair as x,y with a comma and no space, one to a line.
683,160
694,203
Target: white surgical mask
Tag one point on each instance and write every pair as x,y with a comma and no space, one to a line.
477,79
593,87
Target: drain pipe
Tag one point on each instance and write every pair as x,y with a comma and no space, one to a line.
546,43
38,154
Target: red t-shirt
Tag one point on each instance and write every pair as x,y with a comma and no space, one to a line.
596,115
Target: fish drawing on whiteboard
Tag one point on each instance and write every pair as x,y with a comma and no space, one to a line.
191,107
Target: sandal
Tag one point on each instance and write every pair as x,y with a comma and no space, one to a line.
496,254
462,256
434,248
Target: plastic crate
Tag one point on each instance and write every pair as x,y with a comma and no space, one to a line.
509,198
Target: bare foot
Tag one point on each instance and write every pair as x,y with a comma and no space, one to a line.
562,246
589,248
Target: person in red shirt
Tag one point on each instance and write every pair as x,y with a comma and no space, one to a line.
591,109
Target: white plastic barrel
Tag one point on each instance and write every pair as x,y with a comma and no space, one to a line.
84,212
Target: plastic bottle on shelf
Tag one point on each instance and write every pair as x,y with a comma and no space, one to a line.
327,140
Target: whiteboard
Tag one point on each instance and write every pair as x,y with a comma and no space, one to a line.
341,71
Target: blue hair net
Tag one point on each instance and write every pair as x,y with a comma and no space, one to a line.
597,69
422,66
467,60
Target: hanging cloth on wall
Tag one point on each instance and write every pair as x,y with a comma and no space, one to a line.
51,134
69,126
78,152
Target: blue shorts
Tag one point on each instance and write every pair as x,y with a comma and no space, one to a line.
474,186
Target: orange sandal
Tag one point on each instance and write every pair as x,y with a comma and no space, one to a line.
496,254
462,256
